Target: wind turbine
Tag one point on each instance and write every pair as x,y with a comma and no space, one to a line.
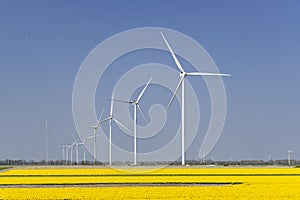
77,144
110,118
95,127
183,75
84,150
63,153
71,154
135,104
289,156
67,153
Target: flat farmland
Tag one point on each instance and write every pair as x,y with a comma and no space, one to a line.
147,183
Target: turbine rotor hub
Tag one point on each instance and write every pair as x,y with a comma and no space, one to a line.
182,74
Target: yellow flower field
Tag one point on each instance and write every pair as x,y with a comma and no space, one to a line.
57,183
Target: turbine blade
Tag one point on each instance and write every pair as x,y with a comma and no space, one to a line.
122,101
111,105
172,53
99,119
142,113
123,126
104,120
73,136
205,74
74,143
178,86
143,91
89,137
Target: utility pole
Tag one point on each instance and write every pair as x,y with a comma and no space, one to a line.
46,147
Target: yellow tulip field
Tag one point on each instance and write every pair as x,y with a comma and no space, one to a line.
142,183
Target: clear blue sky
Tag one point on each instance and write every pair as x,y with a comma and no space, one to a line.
43,43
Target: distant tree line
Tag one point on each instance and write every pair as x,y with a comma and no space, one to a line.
284,162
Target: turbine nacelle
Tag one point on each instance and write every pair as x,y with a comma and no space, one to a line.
94,127
182,74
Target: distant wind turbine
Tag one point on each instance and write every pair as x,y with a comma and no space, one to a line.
289,156
77,144
63,153
95,127
135,104
110,118
84,150
183,75
67,153
71,151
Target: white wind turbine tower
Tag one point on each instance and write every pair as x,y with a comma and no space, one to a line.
183,74
71,152
111,118
95,127
289,156
135,104
84,150
77,144
63,153
68,146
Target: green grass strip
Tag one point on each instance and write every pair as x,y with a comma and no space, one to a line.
3,168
